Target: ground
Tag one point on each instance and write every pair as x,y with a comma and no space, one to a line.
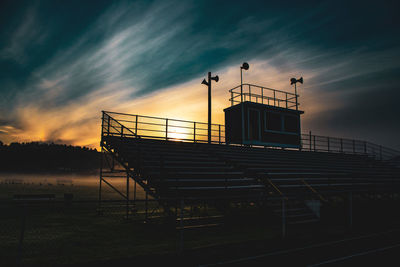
62,233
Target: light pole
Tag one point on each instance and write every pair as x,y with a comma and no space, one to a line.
208,83
294,81
244,66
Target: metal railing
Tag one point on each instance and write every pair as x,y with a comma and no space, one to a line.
263,95
128,125
320,143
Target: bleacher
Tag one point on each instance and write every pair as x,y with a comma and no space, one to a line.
190,170
172,160
183,170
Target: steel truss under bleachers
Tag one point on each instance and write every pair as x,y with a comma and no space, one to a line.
192,173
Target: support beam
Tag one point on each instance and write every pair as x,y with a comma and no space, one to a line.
146,206
283,218
100,180
209,108
351,209
127,196
181,240
134,195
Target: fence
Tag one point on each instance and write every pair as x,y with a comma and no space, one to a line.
127,125
263,95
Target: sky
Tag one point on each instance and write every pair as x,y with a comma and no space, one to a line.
63,62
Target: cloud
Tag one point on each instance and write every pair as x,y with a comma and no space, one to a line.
150,59
27,34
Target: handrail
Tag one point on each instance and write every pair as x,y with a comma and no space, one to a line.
130,125
275,97
313,190
267,88
276,188
318,143
151,117
115,123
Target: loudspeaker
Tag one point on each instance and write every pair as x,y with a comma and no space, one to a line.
216,78
204,82
245,66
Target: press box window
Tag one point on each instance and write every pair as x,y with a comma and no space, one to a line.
273,121
291,124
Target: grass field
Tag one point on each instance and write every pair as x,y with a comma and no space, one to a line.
58,233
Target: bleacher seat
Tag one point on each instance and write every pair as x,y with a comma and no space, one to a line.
198,170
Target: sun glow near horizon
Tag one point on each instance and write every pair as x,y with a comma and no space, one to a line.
78,123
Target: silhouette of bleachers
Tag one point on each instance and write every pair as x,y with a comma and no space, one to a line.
176,169
194,170
295,171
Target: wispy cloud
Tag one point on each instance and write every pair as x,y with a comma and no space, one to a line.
28,33
150,58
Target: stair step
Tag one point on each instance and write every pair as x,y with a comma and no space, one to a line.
303,221
199,226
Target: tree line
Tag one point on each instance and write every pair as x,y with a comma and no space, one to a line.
44,157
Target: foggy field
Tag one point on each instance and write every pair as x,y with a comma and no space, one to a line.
82,186
59,232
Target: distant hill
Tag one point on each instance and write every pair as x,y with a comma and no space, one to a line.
44,157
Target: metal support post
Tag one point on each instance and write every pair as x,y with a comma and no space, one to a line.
194,132
108,125
166,129
286,100
136,123
310,141
249,93
101,179
314,142
243,134
262,95
241,86
181,240
351,209
283,218
295,89
219,133
127,196
341,145
209,107
146,206
134,195
328,143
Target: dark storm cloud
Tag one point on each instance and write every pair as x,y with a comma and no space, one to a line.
56,54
